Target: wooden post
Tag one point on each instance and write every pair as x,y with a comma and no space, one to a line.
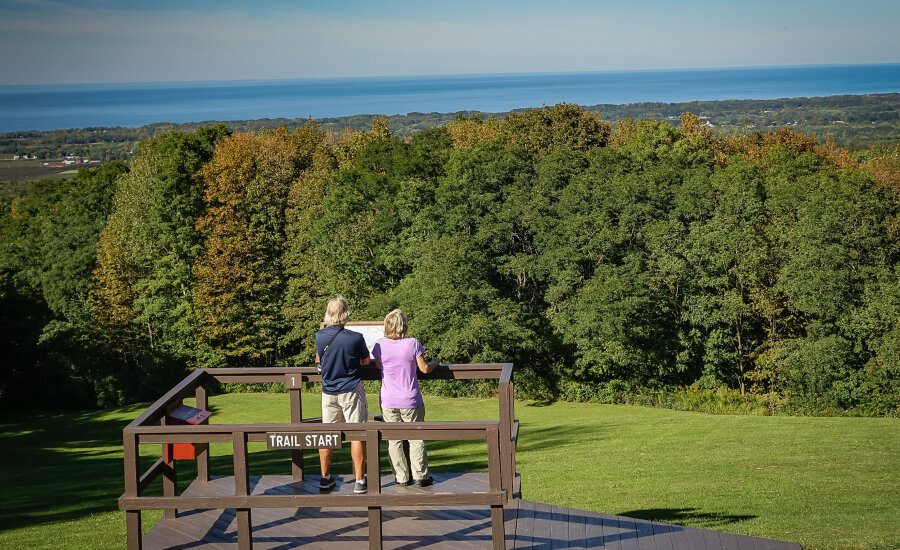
373,469
132,454
241,489
505,435
296,418
511,453
498,535
170,478
202,448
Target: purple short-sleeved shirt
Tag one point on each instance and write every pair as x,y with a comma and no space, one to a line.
399,380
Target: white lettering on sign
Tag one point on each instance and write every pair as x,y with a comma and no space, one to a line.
303,441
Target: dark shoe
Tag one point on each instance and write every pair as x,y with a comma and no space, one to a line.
406,483
326,483
424,482
361,487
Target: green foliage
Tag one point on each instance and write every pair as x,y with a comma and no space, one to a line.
48,341
652,255
563,126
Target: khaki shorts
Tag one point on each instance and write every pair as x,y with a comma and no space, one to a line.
349,406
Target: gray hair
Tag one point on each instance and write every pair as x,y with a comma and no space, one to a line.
338,312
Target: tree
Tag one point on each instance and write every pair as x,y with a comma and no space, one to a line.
240,283
142,291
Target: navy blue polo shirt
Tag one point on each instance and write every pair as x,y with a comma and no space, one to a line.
340,364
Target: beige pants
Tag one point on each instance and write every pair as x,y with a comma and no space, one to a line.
418,458
349,406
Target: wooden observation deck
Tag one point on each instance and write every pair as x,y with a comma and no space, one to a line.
460,510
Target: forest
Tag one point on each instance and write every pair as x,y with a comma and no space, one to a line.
596,257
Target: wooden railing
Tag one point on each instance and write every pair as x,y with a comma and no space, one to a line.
150,428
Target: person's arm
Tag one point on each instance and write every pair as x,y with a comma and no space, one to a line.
376,354
365,361
426,367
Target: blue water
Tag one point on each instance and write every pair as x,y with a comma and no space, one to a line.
47,107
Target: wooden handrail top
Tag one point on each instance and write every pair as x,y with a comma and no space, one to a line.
452,371
387,427
181,390
312,369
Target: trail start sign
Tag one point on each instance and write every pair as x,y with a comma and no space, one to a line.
294,440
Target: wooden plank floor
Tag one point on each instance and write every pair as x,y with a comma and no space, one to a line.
528,524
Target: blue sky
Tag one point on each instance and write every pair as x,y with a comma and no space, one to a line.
48,41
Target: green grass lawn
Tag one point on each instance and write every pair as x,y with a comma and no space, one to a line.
829,483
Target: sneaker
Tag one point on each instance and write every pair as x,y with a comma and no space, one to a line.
361,487
406,483
424,482
326,483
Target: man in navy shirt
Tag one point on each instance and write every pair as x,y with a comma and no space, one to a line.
340,354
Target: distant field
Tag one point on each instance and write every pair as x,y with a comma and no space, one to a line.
30,170
828,483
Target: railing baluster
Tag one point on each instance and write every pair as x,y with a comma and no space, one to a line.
373,469
202,448
170,479
296,418
497,531
242,488
131,451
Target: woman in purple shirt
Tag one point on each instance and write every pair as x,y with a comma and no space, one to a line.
401,400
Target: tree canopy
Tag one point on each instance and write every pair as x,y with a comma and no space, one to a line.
589,254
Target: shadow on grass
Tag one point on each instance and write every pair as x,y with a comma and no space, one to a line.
687,516
59,466
539,403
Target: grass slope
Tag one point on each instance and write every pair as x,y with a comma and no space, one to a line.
828,483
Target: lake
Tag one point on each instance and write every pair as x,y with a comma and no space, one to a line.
47,107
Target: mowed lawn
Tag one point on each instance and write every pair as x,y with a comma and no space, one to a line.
828,483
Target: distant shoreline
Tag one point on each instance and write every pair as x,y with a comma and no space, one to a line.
51,107
854,122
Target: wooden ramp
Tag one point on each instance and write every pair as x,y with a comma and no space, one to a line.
527,524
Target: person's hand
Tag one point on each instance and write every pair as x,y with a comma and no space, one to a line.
434,362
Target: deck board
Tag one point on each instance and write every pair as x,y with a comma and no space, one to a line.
577,530
528,525
662,536
612,533
593,531
559,527
524,525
